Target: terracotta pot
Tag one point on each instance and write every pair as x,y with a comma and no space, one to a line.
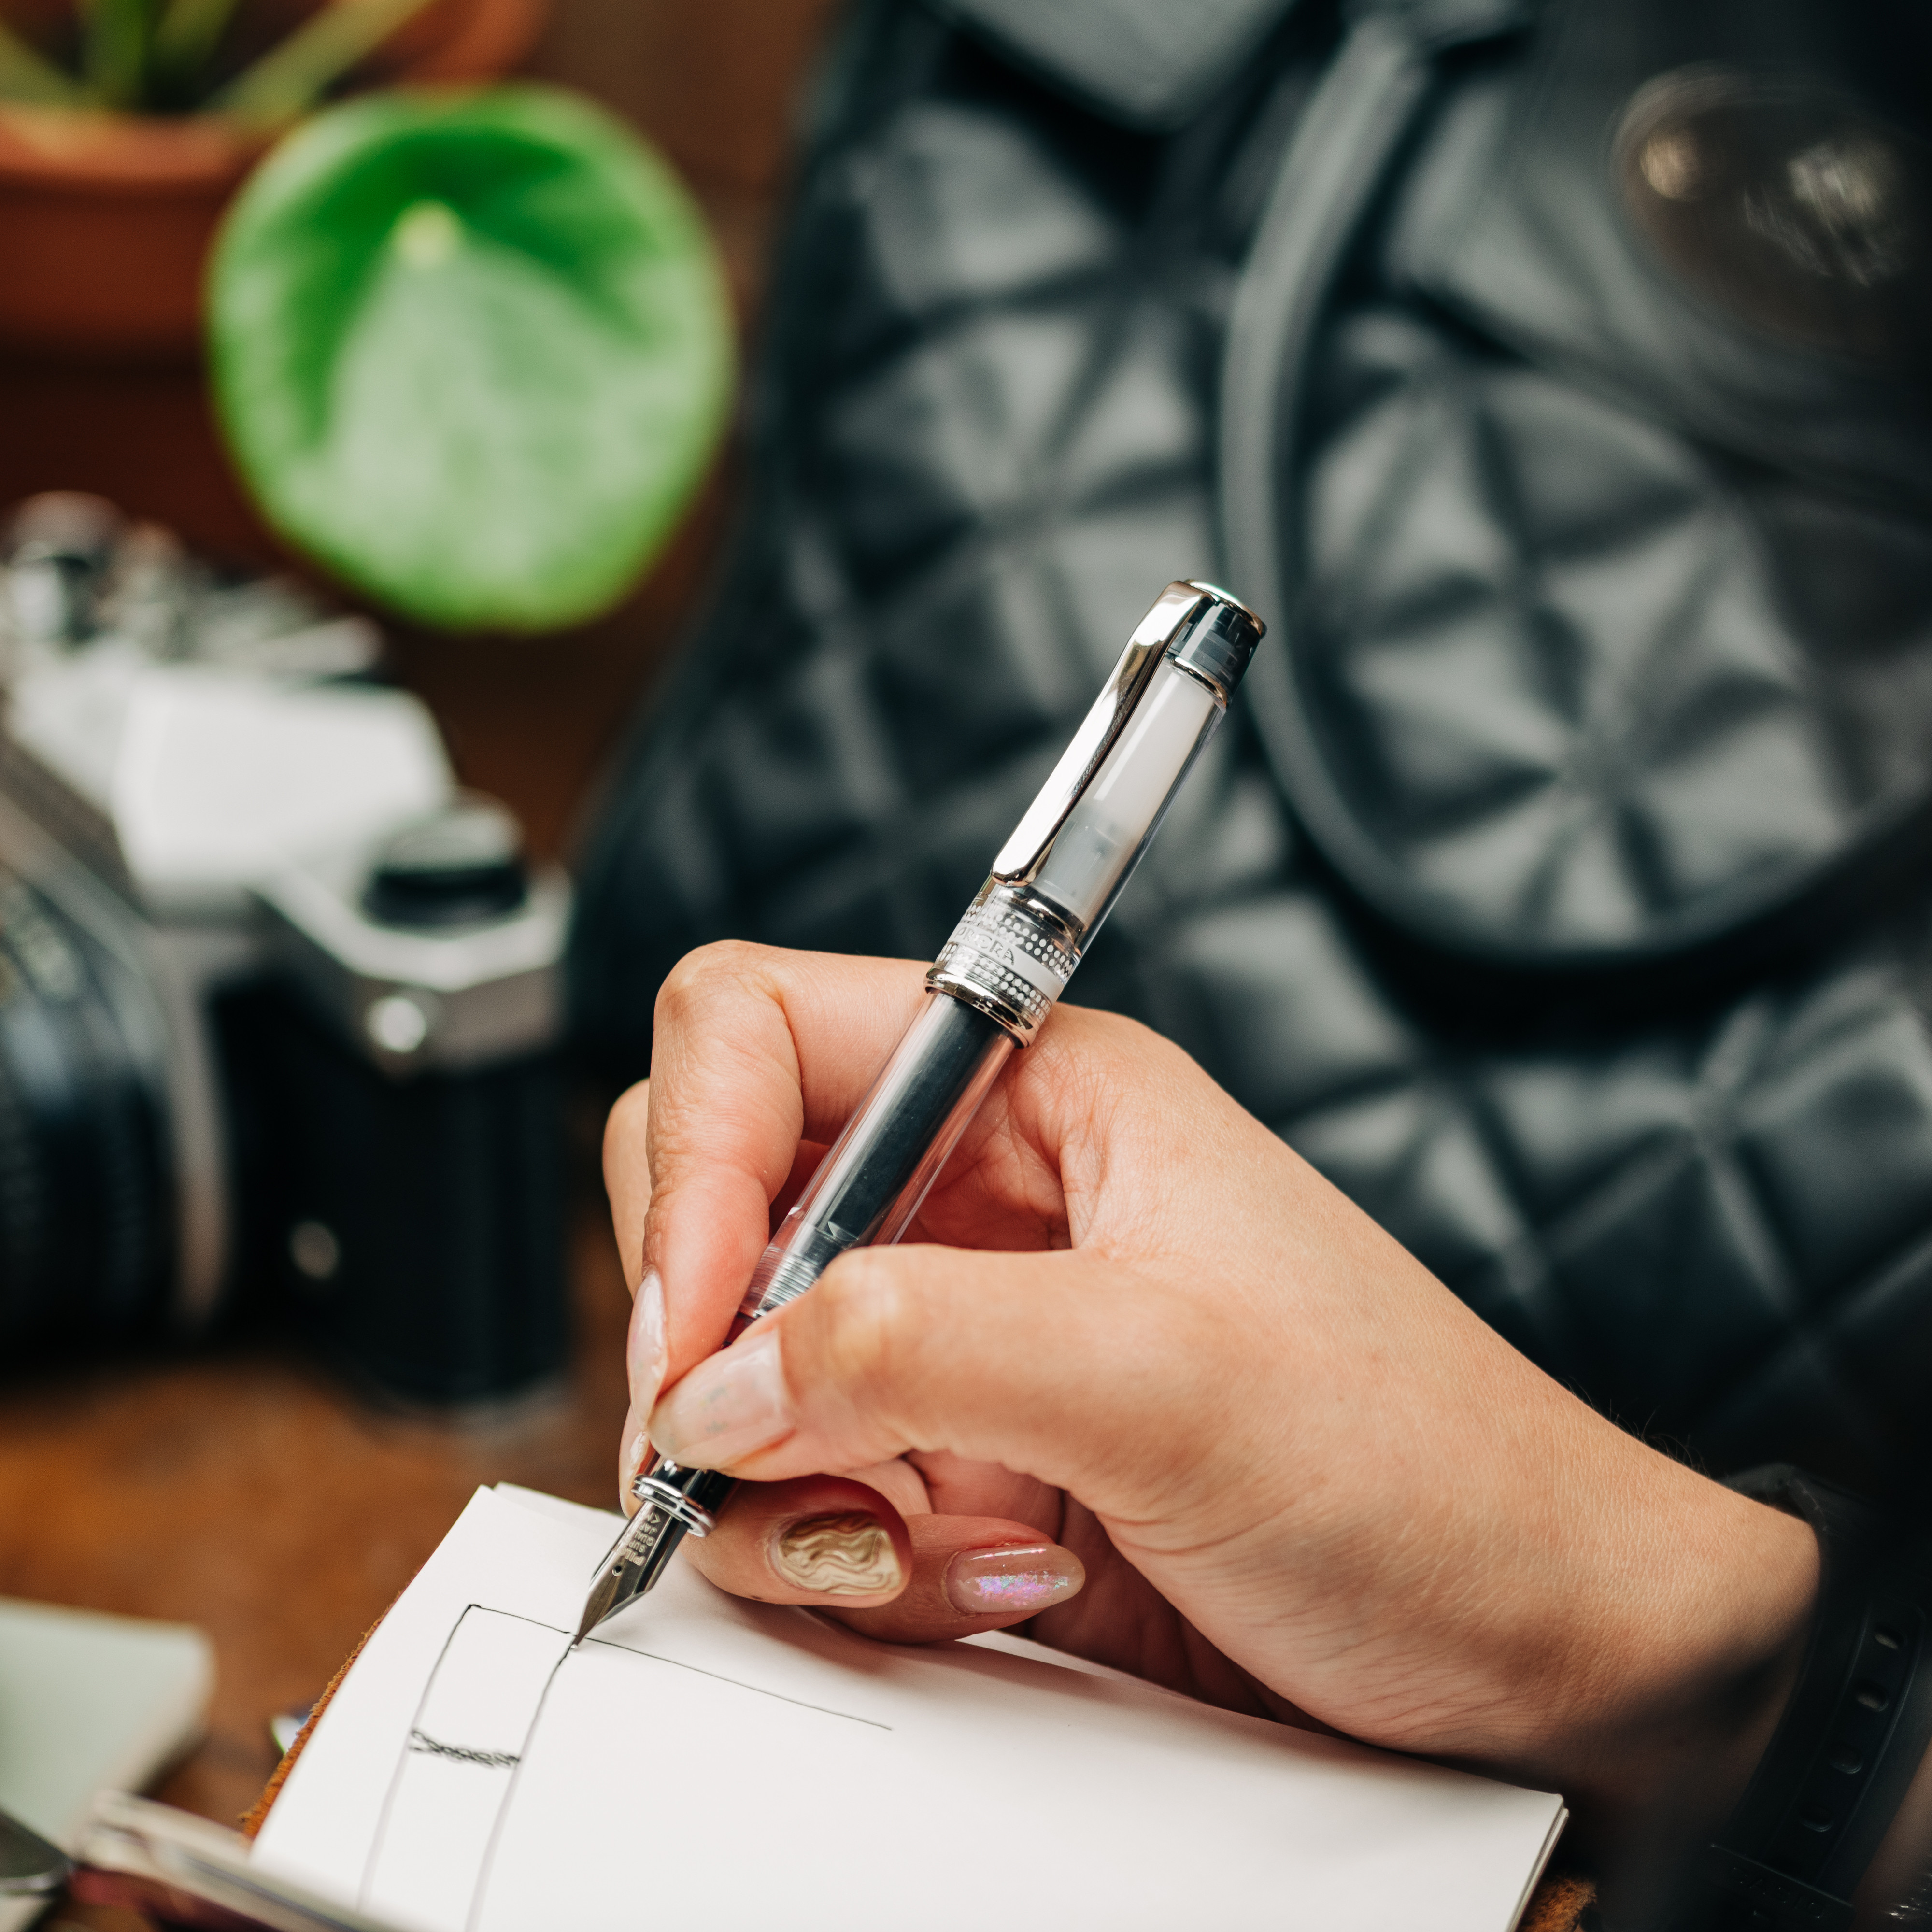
106,219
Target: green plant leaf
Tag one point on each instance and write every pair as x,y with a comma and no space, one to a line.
114,54
185,39
472,352
26,75
290,78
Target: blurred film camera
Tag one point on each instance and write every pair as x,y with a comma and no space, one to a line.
278,1004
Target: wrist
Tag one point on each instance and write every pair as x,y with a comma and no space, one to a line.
1897,1889
1829,1738
1829,1817
1687,1641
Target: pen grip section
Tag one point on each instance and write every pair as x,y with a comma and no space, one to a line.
875,1174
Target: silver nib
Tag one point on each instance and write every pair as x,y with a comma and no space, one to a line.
633,1565
673,1502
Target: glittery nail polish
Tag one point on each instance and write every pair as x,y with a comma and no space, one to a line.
1012,1582
849,1555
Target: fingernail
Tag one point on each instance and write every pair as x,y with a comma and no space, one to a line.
644,1353
838,1555
726,1407
1013,1582
635,1454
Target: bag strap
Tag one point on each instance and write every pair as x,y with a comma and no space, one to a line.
1330,174
1334,166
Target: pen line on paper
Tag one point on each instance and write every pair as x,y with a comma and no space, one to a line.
419,1742
481,1887
658,1657
489,1858
678,1663
396,1776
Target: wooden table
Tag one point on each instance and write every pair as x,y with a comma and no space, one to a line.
245,1491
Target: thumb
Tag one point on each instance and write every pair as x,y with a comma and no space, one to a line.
1063,1367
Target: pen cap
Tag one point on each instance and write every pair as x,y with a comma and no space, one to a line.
1057,877
1218,646
1174,705
1114,820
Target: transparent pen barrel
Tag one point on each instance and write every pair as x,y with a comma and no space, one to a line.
874,1177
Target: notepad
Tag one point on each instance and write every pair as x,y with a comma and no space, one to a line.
707,1764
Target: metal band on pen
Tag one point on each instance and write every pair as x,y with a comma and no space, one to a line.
1011,956
656,1493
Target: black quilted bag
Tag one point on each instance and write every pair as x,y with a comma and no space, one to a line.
1555,381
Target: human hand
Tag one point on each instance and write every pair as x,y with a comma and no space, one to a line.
1150,1347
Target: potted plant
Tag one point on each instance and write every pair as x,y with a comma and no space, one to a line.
126,126
472,351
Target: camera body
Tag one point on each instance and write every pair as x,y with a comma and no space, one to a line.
279,1007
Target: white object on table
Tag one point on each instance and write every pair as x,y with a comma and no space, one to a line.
89,1703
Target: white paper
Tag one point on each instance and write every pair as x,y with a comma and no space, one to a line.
89,1703
709,1765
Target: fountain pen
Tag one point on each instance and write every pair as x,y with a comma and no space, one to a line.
994,982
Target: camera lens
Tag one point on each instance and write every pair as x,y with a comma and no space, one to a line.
58,550
84,1206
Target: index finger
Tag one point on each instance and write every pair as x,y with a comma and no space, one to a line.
754,1050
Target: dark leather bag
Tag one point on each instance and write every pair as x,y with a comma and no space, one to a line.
1556,384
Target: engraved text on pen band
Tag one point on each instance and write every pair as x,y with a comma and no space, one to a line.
1008,957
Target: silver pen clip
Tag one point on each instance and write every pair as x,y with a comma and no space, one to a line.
1173,612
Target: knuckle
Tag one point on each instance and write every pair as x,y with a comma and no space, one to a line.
870,1328
1092,1028
700,976
1132,1038
1117,1037
1093,1050
1122,1029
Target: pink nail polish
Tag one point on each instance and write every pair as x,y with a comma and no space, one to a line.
644,1352
726,1407
1013,1582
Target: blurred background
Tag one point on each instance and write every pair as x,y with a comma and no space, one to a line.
373,408
716,89
244,1490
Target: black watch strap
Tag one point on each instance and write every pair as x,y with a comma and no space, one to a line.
1827,1789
